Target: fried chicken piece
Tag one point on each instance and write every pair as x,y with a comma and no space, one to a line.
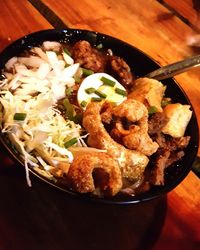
136,135
106,112
122,70
131,162
142,143
88,57
91,171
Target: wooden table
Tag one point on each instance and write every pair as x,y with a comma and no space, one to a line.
45,218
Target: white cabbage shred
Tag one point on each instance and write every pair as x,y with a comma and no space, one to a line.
34,85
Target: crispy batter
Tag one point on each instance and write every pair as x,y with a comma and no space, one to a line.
136,136
106,112
142,142
88,57
134,111
148,91
95,170
132,163
122,71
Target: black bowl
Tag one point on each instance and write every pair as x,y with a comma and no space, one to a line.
141,64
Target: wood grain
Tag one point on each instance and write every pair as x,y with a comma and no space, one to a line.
182,220
19,18
148,25
188,9
44,218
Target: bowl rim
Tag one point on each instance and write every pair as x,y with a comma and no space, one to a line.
133,199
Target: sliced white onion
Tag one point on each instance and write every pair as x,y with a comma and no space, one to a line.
32,61
51,45
70,71
68,59
40,53
54,62
10,63
43,70
22,70
15,83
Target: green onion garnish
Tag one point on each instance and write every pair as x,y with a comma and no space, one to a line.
100,94
67,51
90,90
69,109
107,81
99,46
71,142
96,99
68,91
120,91
83,104
87,72
165,103
19,116
77,79
152,110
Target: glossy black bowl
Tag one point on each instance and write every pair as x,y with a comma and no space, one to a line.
140,64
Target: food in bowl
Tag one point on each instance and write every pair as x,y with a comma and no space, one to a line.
78,113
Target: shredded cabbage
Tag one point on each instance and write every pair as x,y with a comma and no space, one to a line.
36,85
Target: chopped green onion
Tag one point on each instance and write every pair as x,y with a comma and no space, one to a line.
19,116
120,91
83,104
71,142
99,46
165,103
67,51
68,91
77,79
69,109
107,81
152,110
96,99
87,72
90,90
100,94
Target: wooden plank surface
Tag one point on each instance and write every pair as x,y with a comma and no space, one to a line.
182,222
42,218
158,32
19,18
45,218
188,9
147,25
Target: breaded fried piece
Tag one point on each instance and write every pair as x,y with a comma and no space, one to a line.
130,125
95,170
131,162
178,116
88,57
122,71
136,137
148,91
